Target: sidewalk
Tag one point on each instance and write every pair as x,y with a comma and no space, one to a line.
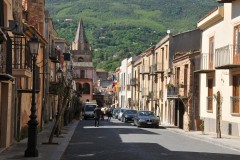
227,141
45,151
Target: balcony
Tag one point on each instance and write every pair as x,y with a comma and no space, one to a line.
133,81
204,63
144,91
172,92
21,58
54,55
84,76
83,64
53,88
159,68
145,69
227,57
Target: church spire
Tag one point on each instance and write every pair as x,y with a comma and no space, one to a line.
81,39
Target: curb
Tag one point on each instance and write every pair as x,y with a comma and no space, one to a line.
208,137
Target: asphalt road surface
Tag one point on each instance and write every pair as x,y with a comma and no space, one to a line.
116,140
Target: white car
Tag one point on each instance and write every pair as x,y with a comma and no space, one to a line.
121,112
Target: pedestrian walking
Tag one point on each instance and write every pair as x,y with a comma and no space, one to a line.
97,114
109,114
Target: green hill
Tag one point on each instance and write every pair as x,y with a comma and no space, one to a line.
118,29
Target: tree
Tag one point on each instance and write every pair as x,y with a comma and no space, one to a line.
64,92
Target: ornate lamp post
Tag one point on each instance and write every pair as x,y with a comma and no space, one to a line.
31,150
59,74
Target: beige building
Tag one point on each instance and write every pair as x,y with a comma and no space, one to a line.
219,68
185,85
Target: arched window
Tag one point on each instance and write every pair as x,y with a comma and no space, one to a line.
80,59
86,88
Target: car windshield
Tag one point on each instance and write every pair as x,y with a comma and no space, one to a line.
122,110
146,113
115,111
90,107
131,111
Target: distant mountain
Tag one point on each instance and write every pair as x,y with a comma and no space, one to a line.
118,29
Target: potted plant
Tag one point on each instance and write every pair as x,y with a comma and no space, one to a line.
202,126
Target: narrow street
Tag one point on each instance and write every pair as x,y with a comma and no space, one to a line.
115,140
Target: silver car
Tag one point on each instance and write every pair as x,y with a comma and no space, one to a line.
121,110
146,119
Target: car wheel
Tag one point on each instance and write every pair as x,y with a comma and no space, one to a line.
125,120
138,125
134,123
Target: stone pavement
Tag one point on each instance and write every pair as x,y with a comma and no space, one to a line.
227,141
46,151
55,151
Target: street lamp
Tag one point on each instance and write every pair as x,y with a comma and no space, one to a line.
59,74
31,150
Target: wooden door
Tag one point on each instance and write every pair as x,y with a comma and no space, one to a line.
235,98
210,95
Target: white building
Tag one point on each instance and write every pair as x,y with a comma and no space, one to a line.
219,67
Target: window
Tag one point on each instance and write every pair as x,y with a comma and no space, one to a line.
237,40
86,88
185,79
80,59
178,76
82,74
210,95
235,97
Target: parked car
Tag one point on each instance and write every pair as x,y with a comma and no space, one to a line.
145,119
115,113
121,112
128,115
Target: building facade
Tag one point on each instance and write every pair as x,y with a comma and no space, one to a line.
219,68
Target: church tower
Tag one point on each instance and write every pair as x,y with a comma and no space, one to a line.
84,72
81,49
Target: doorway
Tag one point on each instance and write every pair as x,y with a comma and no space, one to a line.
179,113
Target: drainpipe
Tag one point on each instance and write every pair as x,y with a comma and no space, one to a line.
1,13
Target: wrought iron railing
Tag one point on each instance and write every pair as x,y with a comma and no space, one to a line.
21,57
133,81
204,61
227,55
172,92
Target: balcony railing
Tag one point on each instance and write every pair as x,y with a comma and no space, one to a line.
235,105
227,57
21,58
78,76
54,55
172,92
145,69
158,68
133,81
204,63
53,88
144,91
